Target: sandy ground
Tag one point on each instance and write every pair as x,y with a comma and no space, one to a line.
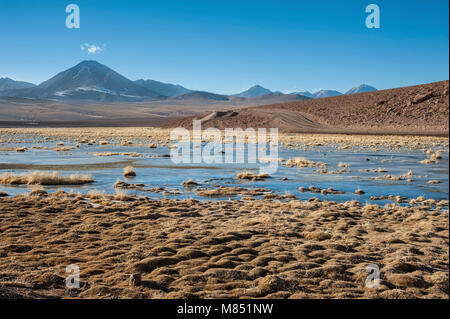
226,249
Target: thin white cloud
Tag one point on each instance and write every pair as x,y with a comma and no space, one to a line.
91,48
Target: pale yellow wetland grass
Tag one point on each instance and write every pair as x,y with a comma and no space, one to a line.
45,178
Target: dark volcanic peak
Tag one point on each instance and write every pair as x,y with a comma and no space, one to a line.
256,90
201,96
88,80
361,89
161,88
10,84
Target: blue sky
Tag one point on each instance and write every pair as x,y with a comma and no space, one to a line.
228,46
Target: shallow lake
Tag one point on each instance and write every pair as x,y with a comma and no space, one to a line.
155,170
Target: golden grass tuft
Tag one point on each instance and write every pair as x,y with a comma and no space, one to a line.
106,154
45,178
95,194
37,190
129,172
189,183
303,162
289,195
21,149
434,157
252,176
122,195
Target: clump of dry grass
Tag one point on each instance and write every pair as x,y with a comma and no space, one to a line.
218,192
95,194
103,142
324,191
288,195
21,149
270,159
37,190
230,191
303,162
406,280
122,195
434,157
45,178
252,176
3,194
129,172
314,189
374,170
63,149
189,183
106,154
359,191
134,154
402,177
433,182
120,184
317,235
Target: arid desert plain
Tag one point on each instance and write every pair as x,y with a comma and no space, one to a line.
112,202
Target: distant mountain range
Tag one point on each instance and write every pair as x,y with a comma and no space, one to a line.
258,90
92,81
9,84
328,93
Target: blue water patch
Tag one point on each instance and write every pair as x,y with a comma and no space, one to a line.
155,169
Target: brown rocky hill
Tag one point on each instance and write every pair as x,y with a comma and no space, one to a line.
420,109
